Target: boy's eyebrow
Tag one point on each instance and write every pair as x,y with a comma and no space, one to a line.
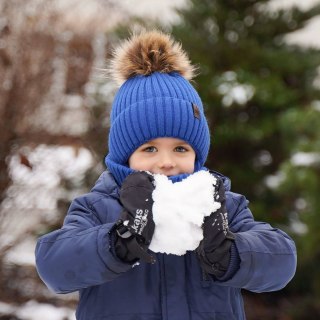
176,143
147,144
182,144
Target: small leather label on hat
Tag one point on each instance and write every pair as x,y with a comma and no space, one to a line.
196,111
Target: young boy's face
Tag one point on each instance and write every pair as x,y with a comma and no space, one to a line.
168,156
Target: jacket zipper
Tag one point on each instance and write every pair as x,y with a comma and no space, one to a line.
163,288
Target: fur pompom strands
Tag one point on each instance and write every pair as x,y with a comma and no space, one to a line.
148,52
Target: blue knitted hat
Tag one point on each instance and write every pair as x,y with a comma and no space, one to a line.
155,100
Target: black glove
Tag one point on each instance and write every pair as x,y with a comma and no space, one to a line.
136,226
214,249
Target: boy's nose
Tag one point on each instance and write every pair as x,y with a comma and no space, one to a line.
166,162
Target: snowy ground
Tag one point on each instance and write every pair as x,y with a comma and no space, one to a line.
33,310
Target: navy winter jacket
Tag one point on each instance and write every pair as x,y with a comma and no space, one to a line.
80,256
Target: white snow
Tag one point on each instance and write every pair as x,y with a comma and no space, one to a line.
233,91
300,204
23,253
161,11
33,310
307,36
274,181
316,104
286,4
6,308
178,211
296,225
305,158
32,198
50,164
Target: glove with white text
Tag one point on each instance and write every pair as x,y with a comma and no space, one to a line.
214,249
136,226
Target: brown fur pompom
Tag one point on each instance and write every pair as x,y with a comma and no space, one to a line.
148,52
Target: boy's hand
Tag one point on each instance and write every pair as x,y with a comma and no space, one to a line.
136,226
136,198
214,249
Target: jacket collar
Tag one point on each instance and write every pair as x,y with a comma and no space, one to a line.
106,184
226,180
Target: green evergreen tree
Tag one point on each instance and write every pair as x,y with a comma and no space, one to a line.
260,96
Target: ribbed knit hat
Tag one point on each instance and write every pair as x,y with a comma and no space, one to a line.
155,100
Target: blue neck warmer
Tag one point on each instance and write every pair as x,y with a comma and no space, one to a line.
120,172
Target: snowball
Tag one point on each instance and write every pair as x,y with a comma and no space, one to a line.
178,211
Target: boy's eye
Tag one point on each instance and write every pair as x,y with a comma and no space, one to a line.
181,149
150,149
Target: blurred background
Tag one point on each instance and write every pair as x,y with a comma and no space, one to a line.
260,84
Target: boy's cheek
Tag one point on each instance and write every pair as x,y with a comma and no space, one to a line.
139,164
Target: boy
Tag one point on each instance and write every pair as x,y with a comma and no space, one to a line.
158,127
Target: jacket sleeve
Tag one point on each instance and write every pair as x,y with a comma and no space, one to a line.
268,255
80,254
